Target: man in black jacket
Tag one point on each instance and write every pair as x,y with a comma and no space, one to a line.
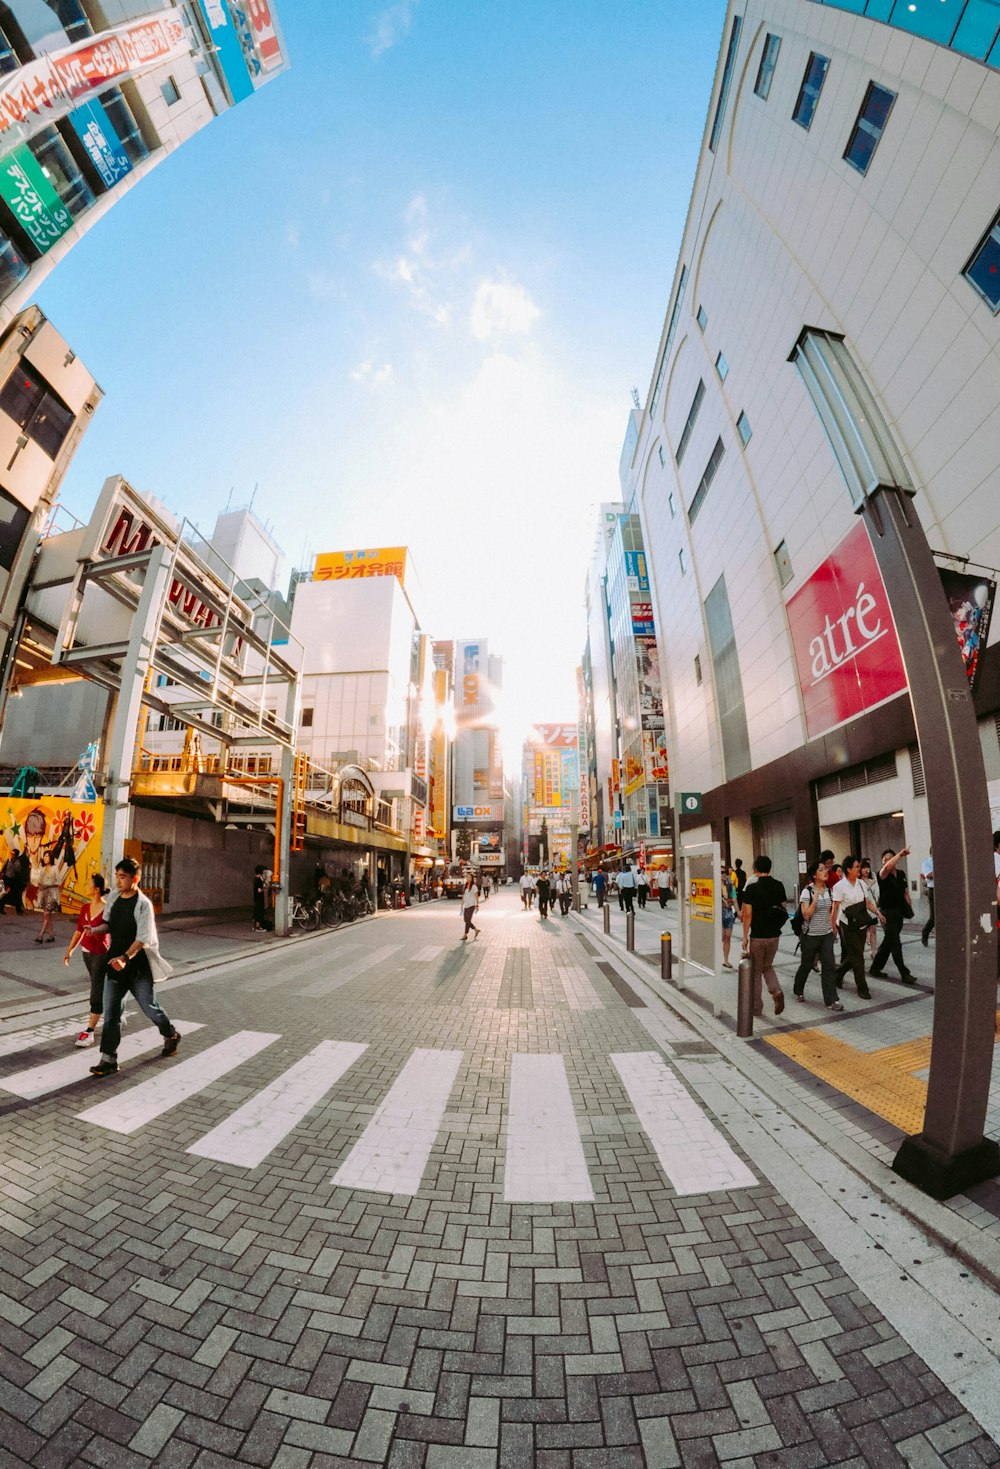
763,906
894,904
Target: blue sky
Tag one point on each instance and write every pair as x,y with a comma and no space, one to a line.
405,291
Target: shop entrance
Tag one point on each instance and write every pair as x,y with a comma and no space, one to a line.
876,833
774,834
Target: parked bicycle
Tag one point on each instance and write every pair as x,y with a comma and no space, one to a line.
305,914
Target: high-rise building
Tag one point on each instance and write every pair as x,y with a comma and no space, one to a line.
477,783
838,281
95,93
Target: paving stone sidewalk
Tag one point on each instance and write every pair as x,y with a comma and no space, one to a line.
158,1306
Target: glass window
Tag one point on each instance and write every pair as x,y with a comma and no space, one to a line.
722,367
701,318
681,562
697,668
32,404
62,171
671,505
307,718
699,394
9,60
743,428
704,485
171,92
768,61
933,19
812,85
978,29
783,562
869,127
659,450
983,270
727,77
13,523
661,374
728,681
124,123
12,268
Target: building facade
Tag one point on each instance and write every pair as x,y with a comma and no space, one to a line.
842,241
95,93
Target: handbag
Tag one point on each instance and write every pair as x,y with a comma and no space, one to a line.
859,916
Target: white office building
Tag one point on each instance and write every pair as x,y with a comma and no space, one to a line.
844,227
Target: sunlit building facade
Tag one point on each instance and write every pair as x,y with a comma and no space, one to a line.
844,219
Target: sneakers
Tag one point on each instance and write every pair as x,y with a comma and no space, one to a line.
106,1068
835,1006
170,1044
802,998
85,1038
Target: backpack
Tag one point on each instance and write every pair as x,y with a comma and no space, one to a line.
798,921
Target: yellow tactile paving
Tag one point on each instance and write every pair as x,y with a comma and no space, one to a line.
879,1080
882,1081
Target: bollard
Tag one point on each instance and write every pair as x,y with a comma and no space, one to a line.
744,999
607,919
630,932
666,957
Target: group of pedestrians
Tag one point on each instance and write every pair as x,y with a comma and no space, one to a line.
551,890
838,901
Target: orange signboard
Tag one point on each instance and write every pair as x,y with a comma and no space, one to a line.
351,565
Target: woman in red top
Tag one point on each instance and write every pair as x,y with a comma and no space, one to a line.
95,948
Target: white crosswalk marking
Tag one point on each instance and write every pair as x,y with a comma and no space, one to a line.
23,1040
431,951
50,1076
545,1162
298,963
692,1151
580,993
391,1154
257,1127
346,972
127,1112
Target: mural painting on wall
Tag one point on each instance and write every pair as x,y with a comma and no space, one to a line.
69,831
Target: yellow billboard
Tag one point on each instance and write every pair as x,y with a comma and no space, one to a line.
351,565
68,831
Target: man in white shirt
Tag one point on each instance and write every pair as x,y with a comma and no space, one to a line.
927,873
627,885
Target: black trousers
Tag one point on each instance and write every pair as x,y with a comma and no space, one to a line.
890,945
852,947
627,898
821,945
928,927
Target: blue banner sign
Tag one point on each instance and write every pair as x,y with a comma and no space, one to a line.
94,128
228,51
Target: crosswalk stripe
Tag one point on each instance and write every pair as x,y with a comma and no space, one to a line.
545,1162
23,1040
257,1127
50,1076
431,951
580,993
692,1151
391,1154
126,1112
297,964
347,972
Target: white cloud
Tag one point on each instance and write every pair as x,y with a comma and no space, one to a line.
293,236
421,273
371,376
324,287
390,26
501,309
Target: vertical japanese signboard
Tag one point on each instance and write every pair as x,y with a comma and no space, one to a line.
96,132
32,200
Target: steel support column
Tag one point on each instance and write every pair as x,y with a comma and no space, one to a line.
951,1152
128,707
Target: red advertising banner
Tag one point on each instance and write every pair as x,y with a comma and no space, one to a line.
51,86
846,652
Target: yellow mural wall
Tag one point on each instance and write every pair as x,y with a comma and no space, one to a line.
70,830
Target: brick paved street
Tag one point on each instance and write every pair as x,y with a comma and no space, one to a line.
403,1200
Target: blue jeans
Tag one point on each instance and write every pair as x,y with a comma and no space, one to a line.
137,980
